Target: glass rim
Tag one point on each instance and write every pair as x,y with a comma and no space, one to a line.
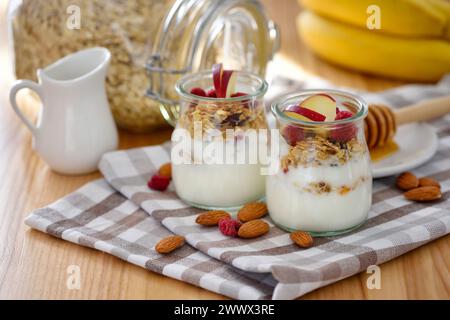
281,101
260,91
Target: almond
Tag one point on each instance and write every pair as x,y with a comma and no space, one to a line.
252,211
302,239
166,170
169,244
253,229
420,194
427,182
407,181
211,218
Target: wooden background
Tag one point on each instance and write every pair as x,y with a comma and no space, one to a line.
33,265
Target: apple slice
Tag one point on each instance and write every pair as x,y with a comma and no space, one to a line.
228,83
323,104
295,115
308,113
217,71
231,85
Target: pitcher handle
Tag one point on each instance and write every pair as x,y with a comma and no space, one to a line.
17,86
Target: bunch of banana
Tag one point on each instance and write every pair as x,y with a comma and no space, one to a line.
413,42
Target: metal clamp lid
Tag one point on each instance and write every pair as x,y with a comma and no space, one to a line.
154,66
156,73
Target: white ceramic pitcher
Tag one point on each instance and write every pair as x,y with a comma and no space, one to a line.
75,125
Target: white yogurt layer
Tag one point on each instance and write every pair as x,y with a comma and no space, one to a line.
220,185
293,205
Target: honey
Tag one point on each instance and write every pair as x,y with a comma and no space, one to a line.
380,153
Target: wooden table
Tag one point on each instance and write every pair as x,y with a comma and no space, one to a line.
34,265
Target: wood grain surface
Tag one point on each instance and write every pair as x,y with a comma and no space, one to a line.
34,265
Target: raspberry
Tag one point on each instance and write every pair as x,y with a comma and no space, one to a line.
246,103
343,115
293,135
158,182
345,132
211,93
229,227
238,94
198,92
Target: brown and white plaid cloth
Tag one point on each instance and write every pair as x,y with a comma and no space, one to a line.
98,217
112,220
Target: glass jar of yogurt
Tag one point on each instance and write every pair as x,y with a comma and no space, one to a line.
324,182
215,163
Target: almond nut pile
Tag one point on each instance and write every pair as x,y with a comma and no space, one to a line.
420,190
248,224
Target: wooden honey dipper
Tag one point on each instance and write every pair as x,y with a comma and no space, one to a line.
381,122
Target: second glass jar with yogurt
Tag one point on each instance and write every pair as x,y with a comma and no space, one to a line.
324,182
213,163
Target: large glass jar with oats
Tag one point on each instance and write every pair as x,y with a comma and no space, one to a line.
153,43
218,142
323,184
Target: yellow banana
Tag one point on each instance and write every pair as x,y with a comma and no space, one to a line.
444,7
415,18
375,53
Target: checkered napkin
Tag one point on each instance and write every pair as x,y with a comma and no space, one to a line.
98,217
270,265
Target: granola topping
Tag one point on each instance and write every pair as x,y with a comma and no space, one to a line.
318,151
223,116
323,187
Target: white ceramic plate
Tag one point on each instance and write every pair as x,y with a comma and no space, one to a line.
418,142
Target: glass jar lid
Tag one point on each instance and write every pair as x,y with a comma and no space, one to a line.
198,33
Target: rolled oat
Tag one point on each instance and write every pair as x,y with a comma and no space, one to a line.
126,28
